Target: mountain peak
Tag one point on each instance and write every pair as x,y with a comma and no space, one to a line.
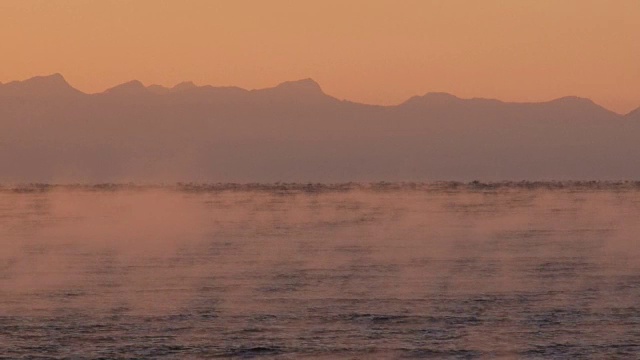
307,85
49,85
577,104
305,90
129,88
161,90
433,98
440,96
56,79
573,100
185,85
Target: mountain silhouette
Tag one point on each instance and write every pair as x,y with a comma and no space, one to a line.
296,132
635,114
40,86
304,87
130,88
183,86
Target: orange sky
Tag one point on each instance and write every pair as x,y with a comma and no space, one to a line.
373,51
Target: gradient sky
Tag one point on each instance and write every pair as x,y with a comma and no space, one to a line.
372,51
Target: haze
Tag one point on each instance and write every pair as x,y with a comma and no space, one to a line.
373,51
52,132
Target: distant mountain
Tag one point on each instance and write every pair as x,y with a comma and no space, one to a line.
131,88
634,115
306,89
52,132
183,86
40,86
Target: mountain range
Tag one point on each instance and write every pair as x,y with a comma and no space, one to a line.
294,132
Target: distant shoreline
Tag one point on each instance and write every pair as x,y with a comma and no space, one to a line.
624,185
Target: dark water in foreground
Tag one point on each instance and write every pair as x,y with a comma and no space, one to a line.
342,272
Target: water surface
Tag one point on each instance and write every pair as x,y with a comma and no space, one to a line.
347,271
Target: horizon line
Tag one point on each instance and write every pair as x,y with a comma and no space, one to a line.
308,79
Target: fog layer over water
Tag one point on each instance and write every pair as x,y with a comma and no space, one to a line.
352,271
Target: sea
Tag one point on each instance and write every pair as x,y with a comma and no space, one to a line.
442,270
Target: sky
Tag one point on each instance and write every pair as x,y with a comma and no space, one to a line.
371,51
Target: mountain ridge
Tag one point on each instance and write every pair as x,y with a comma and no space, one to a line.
295,132
57,82
40,86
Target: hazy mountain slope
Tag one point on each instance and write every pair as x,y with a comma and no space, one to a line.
634,115
295,132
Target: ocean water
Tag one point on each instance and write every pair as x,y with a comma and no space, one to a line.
460,271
